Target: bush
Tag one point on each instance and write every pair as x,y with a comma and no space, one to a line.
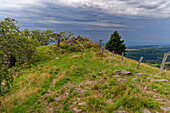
5,78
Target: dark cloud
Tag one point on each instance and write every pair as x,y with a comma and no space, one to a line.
135,20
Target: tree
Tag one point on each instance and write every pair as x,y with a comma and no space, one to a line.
16,49
66,35
44,37
115,43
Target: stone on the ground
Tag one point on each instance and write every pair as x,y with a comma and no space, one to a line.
120,112
140,74
77,110
118,72
121,80
86,82
80,91
122,72
74,103
165,109
125,72
109,101
58,98
160,80
145,111
56,58
116,76
82,104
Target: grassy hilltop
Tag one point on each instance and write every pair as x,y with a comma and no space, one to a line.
78,78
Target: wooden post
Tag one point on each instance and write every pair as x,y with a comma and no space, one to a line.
122,56
163,62
113,53
141,58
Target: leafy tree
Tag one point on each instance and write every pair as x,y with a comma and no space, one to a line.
44,37
115,43
5,78
66,35
15,49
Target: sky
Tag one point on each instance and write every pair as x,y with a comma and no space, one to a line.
146,21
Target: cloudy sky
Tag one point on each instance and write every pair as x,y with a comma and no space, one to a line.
136,20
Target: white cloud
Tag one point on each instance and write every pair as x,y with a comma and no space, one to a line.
5,4
148,8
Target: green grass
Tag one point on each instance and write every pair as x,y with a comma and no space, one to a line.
30,84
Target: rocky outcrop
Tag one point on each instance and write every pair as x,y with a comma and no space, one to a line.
122,72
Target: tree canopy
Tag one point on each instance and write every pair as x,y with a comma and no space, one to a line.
116,44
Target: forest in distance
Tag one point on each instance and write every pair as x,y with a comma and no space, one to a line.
152,54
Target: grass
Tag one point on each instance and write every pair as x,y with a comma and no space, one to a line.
30,84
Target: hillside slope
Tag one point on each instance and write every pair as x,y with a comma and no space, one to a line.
86,81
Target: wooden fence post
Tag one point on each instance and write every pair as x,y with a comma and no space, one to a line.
141,58
122,56
113,53
163,62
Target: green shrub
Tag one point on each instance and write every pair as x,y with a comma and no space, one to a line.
112,81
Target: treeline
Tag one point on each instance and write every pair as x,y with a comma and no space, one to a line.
151,55
18,48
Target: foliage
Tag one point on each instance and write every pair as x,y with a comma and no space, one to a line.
115,43
43,37
5,78
15,49
18,48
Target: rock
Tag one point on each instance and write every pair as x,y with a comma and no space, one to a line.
121,80
154,90
80,91
156,111
145,111
87,88
74,103
56,58
77,110
140,74
109,101
86,82
120,112
118,72
122,72
82,104
165,109
116,76
145,87
58,98
133,79
160,80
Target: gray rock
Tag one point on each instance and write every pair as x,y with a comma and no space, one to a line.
121,80
160,80
74,103
82,104
165,109
145,111
80,91
56,58
140,74
120,112
118,72
77,110
58,98
109,101
122,72
116,76
87,88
